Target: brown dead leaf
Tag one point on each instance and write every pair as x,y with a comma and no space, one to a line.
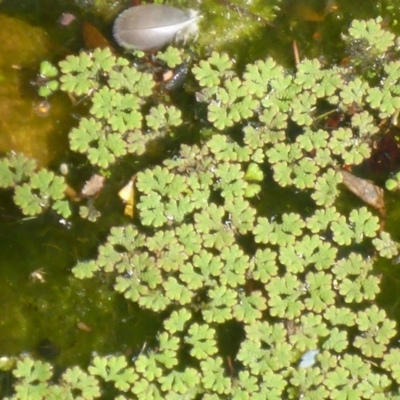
93,186
93,38
366,190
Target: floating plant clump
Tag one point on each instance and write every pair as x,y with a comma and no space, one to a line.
214,248
149,27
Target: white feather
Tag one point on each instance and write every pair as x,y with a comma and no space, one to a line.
151,26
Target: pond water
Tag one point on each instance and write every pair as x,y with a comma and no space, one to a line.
45,310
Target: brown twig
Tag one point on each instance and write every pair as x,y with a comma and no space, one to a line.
296,53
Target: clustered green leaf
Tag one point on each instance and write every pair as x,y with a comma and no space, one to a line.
118,95
34,190
213,246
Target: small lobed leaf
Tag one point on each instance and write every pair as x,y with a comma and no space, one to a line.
258,75
29,370
86,385
114,369
326,189
379,330
372,32
202,340
284,297
209,72
190,277
48,70
162,117
172,56
175,291
354,92
29,203
181,383
14,168
147,366
168,348
308,73
249,308
342,232
214,376
44,189
321,219
85,269
219,309
263,265
390,363
320,290
337,340
385,245
81,138
177,320
302,107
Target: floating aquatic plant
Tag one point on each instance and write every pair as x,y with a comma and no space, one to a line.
47,78
43,189
118,95
213,247
14,169
34,191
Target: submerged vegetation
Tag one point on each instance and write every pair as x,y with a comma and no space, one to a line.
211,247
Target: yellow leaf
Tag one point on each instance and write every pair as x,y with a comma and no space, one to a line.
127,194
